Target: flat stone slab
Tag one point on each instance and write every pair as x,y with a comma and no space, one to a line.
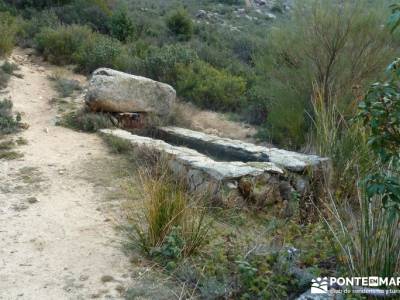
197,166
215,145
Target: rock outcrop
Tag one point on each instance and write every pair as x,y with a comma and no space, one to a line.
118,92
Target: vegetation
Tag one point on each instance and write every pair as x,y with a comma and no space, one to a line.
180,24
86,121
304,81
174,227
8,29
8,122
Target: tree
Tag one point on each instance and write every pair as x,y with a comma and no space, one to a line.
121,26
180,24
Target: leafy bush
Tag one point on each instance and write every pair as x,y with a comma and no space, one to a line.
38,4
8,123
31,27
92,13
210,88
65,86
59,45
121,26
163,63
98,51
86,121
8,31
180,24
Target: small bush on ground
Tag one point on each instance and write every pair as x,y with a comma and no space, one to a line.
174,227
117,145
35,24
121,26
180,24
8,122
210,88
61,44
63,85
8,32
163,64
98,51
86,121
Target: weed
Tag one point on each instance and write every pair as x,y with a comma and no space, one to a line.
117,145
10,155
9,68
86,121
173,228
21,141
66,87
8,123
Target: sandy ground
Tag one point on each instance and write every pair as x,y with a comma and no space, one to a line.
63,246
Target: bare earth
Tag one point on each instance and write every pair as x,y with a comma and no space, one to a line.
62,247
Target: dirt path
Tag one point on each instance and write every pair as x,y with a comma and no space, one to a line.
63,246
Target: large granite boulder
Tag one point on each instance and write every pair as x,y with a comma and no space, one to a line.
118,92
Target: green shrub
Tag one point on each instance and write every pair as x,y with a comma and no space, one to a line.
121,26
59,45
8,123
9,68
210,88
38,4
86,121
163,63
98,51
92,13
31,27
8,31
180,24
338,47
65,86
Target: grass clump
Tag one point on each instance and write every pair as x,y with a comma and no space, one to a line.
7,70
65,86
172,227
117,145
86,121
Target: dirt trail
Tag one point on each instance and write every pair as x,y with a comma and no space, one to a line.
62,247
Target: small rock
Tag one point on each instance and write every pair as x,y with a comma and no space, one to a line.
33,200
201,14
83,277
270,16
107,278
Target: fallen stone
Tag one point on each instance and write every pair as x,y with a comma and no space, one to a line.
118,92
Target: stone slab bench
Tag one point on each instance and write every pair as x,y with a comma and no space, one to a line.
198,168
264,177
229,149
